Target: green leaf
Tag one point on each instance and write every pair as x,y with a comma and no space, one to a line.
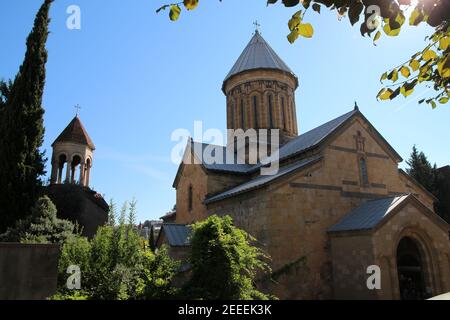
383,77
355,11
174,13
377,36
293,36
316,7
291,3
295,20
433,104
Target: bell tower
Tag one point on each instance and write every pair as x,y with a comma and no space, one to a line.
260,91
72,155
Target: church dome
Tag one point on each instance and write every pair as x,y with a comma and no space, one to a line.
258,55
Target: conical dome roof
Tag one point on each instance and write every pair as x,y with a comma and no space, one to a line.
258,55
76,133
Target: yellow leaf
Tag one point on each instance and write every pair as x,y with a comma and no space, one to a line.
405,71
406,91
190,4
391,32
305,30
443,100
293,36
429,55
174,13
444,67
415,65
444,43
413,16
385,94
393,76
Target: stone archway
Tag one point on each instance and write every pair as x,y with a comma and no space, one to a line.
411,270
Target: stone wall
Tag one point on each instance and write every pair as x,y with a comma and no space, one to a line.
28,271
351,254
290,217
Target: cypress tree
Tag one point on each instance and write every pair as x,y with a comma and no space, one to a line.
421,170
22,129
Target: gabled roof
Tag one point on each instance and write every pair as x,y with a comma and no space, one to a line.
177,235
374,213
76,133
261,180
296,147
313,137
368,215
258,55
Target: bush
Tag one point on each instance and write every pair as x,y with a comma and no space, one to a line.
224,262
115,265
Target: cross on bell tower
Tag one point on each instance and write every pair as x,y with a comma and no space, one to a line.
257,26
78,108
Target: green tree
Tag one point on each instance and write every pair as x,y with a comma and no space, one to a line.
430,65
431,179
115,266
224,262
132,212
151,239
421,170
112,213
22,129
42,226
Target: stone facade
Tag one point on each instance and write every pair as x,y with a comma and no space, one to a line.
290,216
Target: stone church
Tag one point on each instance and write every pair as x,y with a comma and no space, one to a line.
338,205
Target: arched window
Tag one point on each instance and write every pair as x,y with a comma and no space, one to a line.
271,120
255,111
242,114
364,174
190,195
283,113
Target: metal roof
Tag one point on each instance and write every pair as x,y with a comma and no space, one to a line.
76,133
296,146
313,137
199,151
177,235
258,55
262,180
368,215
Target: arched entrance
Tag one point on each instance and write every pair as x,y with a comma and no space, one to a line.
410,268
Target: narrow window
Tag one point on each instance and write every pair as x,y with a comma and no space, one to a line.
232,114
190,198
242,114
283,113
364,175
271,122
255,111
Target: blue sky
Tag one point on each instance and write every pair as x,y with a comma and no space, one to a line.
139,77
